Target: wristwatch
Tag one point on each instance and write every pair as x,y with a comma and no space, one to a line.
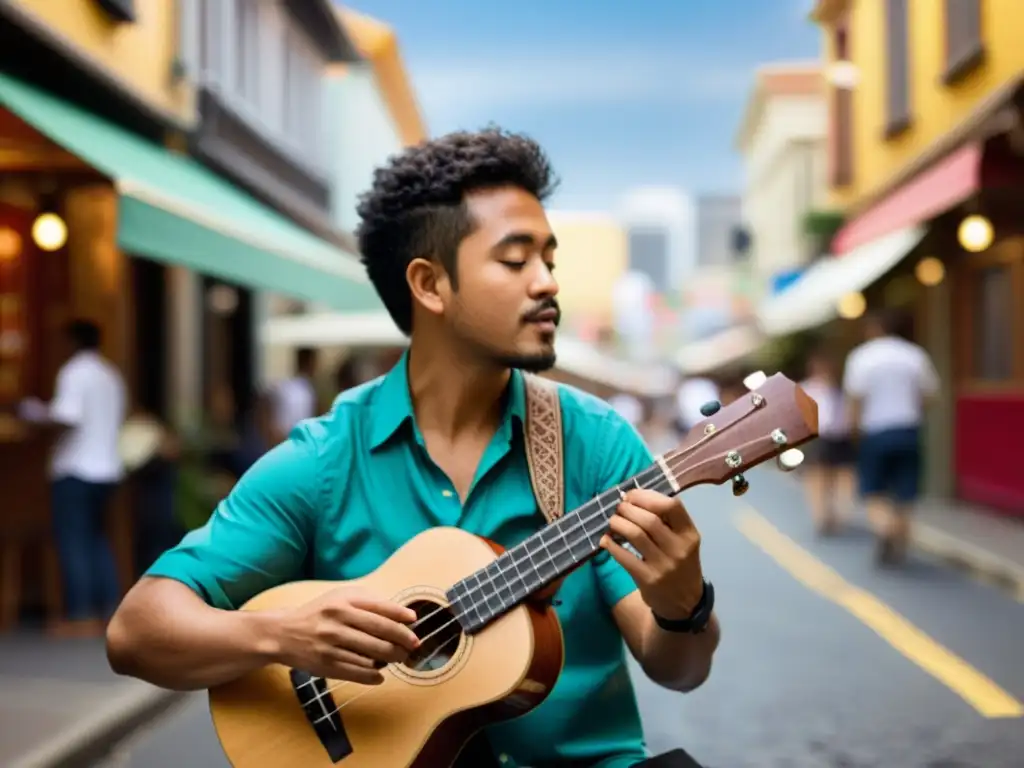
697,621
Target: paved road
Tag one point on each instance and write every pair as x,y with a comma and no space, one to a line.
825,661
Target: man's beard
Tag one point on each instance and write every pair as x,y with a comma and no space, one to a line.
535,363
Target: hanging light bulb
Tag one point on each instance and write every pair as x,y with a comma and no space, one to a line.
975,233
851,306
929,271
222,300
10,244
49,232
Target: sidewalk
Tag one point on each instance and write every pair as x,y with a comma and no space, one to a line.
60,704
987,546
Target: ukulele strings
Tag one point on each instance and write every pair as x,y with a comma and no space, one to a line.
652,473
672,466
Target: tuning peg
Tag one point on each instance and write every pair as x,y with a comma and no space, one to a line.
739,485
710,408
755,380
789,460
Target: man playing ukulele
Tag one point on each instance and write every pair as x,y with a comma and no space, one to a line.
456,241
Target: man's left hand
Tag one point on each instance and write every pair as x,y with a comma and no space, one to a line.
669,576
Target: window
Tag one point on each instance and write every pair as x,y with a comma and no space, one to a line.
964,46
206,20
803,176
272,60
897,50
247,51
261,66
993,323
842,118
302,99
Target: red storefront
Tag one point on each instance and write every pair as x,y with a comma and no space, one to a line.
977,171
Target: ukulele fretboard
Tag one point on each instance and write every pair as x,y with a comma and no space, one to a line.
543,557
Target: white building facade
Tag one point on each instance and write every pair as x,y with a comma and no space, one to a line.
783,141
369,113
372,111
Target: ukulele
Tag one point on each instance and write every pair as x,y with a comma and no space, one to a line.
491,644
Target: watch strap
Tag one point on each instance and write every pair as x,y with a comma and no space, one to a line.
697,621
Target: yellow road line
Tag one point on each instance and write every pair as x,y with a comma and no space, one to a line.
956,674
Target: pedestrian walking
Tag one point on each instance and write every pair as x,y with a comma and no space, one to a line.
888,381
828,473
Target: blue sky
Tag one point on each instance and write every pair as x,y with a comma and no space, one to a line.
622,93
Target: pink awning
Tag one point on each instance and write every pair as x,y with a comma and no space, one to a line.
946,184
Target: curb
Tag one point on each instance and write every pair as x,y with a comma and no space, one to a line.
86,742
974,560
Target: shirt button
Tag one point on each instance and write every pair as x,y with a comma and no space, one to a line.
447,494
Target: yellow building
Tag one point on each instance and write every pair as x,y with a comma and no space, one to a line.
136,55
592,255
926,142
920,82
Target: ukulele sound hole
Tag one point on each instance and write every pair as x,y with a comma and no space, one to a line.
439,633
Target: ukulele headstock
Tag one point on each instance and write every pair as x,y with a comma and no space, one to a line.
769,421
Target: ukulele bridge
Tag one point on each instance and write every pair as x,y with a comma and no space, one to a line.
322,714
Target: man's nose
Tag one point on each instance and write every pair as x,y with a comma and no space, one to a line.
543,284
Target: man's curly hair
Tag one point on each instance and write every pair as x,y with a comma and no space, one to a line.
416,205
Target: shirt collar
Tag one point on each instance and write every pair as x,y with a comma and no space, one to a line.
392,406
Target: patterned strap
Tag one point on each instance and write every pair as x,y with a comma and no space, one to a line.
544,453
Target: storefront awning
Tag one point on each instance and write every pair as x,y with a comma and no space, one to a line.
376,329
718,351
812,299
175,210
944,185
333,329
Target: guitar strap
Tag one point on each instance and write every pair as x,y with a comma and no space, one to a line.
545,453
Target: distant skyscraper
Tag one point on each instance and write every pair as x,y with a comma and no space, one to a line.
649,253
719,217
660,234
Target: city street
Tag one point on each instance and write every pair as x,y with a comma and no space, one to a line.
825,661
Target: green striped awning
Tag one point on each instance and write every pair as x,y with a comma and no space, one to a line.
175,210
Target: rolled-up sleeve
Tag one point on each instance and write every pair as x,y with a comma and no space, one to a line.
620,454
259,536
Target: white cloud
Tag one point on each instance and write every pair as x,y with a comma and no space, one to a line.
455,90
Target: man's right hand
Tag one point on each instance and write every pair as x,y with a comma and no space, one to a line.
346,634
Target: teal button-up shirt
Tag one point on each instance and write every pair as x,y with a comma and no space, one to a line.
349,488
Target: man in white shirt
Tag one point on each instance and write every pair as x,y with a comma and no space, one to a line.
294,399
888,381
87,411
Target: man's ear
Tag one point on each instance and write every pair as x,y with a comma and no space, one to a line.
428,283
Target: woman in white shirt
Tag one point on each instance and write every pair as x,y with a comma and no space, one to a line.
829,470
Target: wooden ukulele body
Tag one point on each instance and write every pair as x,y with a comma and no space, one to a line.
415,718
